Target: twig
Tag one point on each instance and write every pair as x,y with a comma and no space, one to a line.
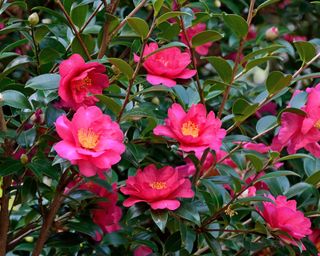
237,61
49,218
136,71
75,31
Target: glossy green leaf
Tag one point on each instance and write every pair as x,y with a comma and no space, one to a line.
44,82
314,179
294,156
276,81
266,123
305,50
139,26
9,167
276,174
236,23
15,99
157,4
242,109
264,51
123,66
222,67
160,218
213,244
169,15
266,3
205,37
189,212
257,62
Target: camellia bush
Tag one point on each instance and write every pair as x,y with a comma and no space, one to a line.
159,127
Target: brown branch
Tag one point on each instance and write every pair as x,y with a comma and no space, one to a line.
50,216
237,61
74,29
136,71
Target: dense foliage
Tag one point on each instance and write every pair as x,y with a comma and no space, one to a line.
159,127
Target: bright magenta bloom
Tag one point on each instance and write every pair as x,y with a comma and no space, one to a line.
106,214
298,131
160,188
80,81
90,140
166,66
283,215
195,130
191,32
142,250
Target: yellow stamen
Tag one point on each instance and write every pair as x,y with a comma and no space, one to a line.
158,185
84,83
88,138
190,128
317,124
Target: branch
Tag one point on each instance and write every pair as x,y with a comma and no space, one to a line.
50,216
237,61
73,27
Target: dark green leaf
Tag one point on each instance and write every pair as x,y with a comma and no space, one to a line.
16,99
139,26
205,37
213,244
123,66
236,23
222,67
277,81
169,15
44,82
242,109
266,123
9,167
306,50
277,174
160,218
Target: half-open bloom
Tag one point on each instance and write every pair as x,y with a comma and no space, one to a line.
298,131
195,130
80,81
283,215
106,214
165,66
90,140
142,250
160,188
191,32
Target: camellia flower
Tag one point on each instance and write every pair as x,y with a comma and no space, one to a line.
294,38
272,33
191,32
160,188
80,81
195,130
315,239
299,131
106,214
283,215
90,140
165,66
142,250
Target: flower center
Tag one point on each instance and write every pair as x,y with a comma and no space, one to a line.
190,128
317,124
84,83
158,185
88,138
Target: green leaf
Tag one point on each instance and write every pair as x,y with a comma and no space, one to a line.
257,62
222,67
173,243
205,37
160,218
42,166
189,212
277,81
242,109
256,161
314,179
276,174
236,23
157,4
79,14
44,82
268,50
169,15
87,40
305,50
294,156
139,26
254,199
9,167
213,244
266,123
15,63
266,3
16,99
123,66
109,103
5,6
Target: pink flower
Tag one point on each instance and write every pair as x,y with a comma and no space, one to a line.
315,238
80,81
90,140
191,32
142,250
299,131
294,38
195,130
284,4
165,66
272,33
252,33
270,108
160,188
106,214
283,215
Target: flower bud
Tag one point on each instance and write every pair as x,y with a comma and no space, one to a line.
29,239
272,33
155,100
260,75
217,3
33,19
24,159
